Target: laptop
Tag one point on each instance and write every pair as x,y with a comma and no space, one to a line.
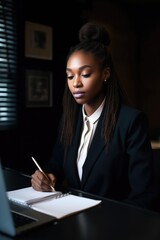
18,219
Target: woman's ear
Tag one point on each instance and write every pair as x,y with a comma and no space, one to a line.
107,73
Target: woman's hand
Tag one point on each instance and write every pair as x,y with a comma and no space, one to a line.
40,183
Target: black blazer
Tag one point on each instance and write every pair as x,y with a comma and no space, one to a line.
121,170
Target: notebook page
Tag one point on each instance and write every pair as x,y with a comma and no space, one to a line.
65,205
28,195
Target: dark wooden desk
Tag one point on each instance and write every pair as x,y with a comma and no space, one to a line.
109,221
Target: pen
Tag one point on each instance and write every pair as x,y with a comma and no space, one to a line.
40,169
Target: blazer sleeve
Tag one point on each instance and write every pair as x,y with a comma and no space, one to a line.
140,170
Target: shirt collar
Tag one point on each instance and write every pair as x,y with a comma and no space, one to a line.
95,116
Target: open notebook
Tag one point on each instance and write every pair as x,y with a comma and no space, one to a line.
17,218
54,203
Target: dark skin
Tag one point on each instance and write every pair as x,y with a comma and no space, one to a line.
85,80
85,77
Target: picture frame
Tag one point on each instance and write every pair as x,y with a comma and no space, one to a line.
38,88
38,41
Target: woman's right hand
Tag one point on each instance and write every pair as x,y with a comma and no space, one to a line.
40,183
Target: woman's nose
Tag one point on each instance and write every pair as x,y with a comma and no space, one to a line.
77,82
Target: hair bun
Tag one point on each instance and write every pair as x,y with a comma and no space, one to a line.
94,32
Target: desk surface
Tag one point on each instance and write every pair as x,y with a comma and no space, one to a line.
109,221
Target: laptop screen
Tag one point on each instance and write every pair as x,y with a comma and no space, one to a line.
7,225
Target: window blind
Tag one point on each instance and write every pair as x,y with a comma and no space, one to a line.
8,64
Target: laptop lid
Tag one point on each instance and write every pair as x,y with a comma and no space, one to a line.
7,226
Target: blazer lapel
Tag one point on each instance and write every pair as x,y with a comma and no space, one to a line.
71,160
96,147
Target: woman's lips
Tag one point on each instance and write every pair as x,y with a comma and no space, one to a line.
78,94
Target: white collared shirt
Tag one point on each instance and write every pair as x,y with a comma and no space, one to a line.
89,127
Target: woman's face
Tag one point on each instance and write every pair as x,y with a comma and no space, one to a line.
86,78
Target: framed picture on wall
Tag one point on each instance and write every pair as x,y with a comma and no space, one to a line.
38,41
38,88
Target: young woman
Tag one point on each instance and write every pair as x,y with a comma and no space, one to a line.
103,146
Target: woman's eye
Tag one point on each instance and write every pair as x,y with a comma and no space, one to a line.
86,75
70,77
